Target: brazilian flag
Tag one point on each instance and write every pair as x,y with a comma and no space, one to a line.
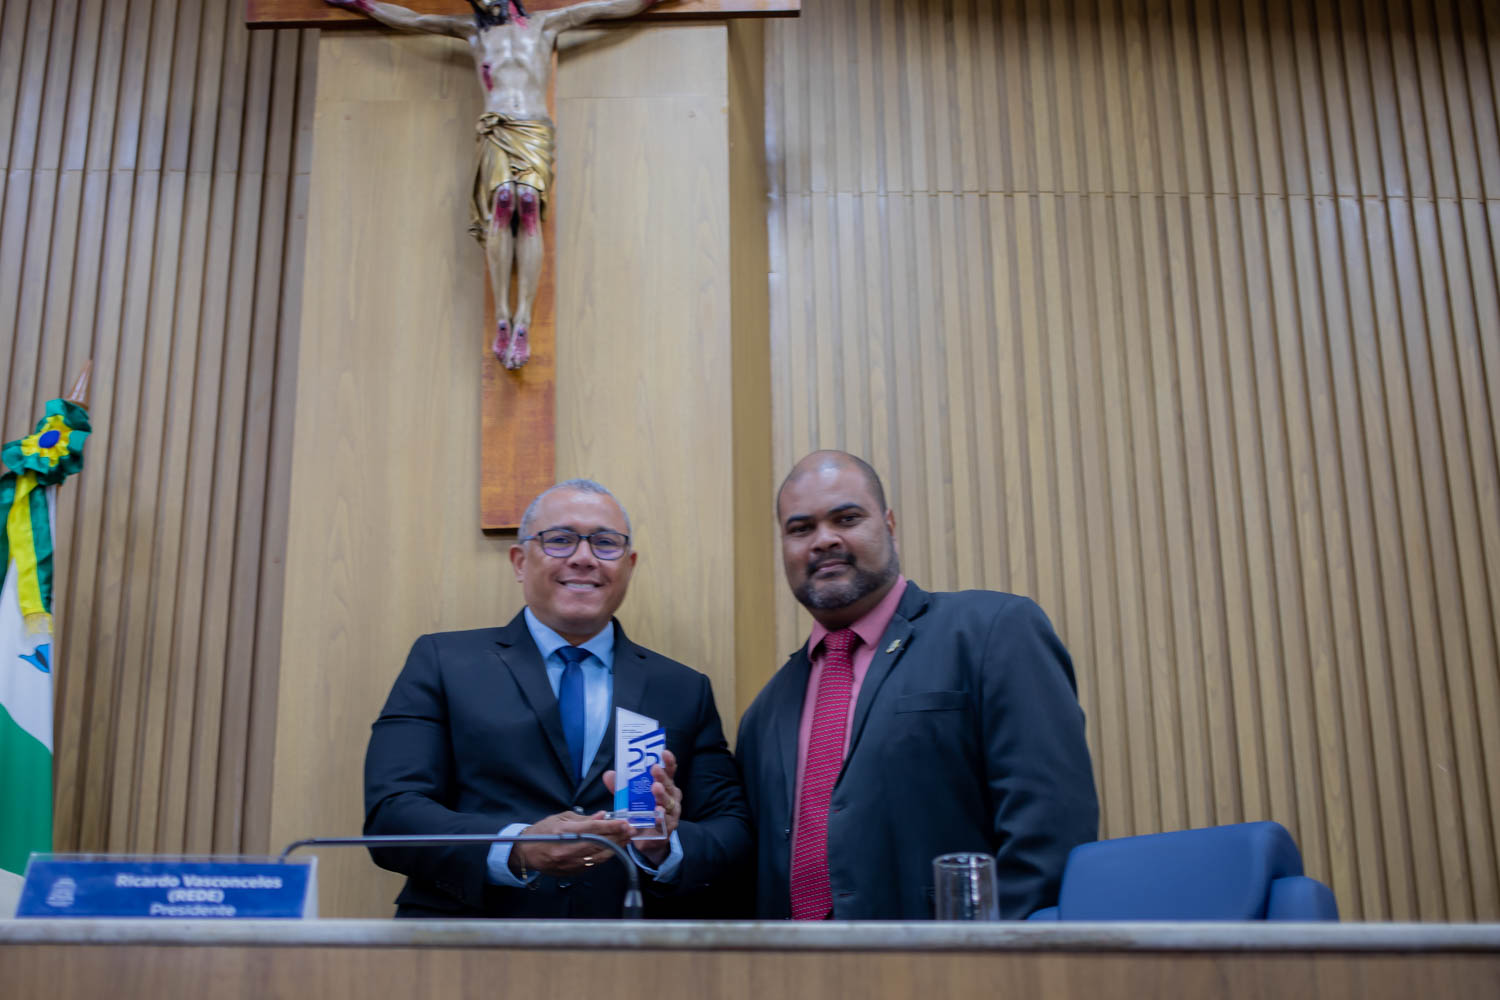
32,467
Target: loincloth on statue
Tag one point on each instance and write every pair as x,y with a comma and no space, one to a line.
509,150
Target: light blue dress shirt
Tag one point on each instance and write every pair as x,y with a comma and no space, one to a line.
598,696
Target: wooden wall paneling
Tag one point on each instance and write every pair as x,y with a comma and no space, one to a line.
1091,564
253,246
133,236
755,652
1469,268
892,138
15,228
1372,766
72,282
1366,702
219,430
45,249
931,531
1106,724
863,117
1444,728
85,684
1473,645
1339,693
214,165
111,235
1478,499
689,194
358,362
1475,64
142,620
617,91
1270,402
1208,708
1475,262
968,382
1423,660
160,470
1176,648
194,407
1405,805
826,382
12,47
244,818
254,472
903,214
1290,696
1205,714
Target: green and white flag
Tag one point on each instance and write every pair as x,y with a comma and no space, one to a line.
33,466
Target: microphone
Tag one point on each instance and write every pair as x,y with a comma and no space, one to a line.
632,907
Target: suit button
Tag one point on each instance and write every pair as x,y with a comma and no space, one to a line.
787,833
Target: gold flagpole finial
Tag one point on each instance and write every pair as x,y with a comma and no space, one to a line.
80,392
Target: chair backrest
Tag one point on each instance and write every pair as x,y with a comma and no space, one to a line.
1218,873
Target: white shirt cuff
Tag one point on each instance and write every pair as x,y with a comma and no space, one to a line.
667,873
499,861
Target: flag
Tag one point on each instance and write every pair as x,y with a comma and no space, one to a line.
32,468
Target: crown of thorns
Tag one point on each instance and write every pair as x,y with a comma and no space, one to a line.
488,14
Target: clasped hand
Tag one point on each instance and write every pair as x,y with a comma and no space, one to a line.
572,857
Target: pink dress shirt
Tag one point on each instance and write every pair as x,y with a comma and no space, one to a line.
869,629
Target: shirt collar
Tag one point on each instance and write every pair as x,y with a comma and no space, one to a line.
548,641
872,625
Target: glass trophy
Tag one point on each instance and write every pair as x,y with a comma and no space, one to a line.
639,744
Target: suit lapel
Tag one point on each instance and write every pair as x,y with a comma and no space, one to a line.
888,652
787,711
518,652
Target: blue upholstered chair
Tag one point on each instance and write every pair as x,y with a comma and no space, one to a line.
1248,871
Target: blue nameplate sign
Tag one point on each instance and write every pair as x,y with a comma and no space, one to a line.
81,886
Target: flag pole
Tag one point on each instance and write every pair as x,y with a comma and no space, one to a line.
80,392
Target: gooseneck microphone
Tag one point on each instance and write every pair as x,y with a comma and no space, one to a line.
632,907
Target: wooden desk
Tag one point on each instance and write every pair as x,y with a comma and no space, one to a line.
532,959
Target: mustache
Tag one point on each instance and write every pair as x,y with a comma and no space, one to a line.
838,557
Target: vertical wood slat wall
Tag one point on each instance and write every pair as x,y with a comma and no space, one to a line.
1181,317
155,183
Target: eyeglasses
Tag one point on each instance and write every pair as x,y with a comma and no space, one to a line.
559,543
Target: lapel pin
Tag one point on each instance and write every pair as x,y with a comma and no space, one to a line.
895,645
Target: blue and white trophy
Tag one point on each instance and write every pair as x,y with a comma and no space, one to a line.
639,745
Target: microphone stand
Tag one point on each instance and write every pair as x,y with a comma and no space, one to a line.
632,907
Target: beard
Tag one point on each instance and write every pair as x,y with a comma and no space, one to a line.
835,594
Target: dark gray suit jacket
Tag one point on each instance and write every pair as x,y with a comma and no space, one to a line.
967,736
470,741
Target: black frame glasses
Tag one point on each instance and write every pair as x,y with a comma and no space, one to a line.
560,543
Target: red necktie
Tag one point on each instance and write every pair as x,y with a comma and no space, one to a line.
811,897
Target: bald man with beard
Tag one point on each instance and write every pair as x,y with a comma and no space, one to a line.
910,724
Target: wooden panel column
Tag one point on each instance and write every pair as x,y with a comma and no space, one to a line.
384,540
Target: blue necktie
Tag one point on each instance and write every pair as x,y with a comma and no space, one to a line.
570,702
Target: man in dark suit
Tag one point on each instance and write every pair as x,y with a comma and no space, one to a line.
912,724
510,730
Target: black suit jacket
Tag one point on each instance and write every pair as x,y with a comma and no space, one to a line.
967,736
470,741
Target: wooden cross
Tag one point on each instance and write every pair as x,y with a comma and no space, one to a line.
518,409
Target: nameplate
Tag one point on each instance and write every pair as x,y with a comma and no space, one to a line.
196,889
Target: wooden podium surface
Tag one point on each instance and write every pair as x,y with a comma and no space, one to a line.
364,958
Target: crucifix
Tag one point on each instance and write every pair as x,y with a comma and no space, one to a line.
513,47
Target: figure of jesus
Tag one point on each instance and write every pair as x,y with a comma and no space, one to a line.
513,170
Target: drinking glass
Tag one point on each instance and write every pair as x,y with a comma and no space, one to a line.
964,886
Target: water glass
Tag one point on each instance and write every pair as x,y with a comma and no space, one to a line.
964,886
